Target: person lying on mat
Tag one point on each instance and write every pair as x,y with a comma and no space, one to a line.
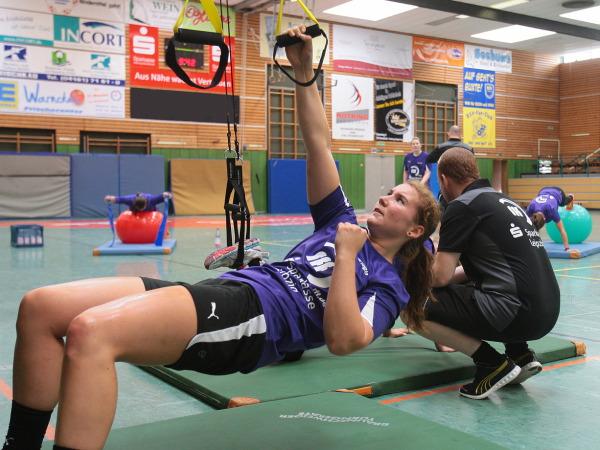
240,321
544,208
139,201
504,291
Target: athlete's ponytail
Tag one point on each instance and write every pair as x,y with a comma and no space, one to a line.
417,260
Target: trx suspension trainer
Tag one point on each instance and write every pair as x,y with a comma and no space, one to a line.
237,214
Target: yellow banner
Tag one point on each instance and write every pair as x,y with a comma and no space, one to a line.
479,127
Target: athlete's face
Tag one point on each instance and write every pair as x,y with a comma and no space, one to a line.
395,213
415,147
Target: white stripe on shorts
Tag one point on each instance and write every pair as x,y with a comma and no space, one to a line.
256,325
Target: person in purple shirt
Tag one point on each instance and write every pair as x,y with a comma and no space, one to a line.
544,208
240,321
139,201
415,164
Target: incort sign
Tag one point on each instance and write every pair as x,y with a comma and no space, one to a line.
73,32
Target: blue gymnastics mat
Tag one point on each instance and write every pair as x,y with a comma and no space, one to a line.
575,252
118,248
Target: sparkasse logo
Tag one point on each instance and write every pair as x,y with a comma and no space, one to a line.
144,43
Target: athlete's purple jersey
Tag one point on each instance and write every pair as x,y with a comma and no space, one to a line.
415,166
293,293
151,200
547,202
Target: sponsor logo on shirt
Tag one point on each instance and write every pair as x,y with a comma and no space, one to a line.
515,231
363,266
515,209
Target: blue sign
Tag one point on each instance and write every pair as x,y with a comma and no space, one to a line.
479,88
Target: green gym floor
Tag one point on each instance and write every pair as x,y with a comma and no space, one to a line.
557,409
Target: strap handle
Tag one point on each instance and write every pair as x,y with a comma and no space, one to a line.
198,37
285,40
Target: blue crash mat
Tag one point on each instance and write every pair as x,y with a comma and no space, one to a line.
118,248
575,252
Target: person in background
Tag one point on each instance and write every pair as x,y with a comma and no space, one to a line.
454,140
544,208
140,201
415,166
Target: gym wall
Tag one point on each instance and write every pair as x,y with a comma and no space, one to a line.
527,105
530,102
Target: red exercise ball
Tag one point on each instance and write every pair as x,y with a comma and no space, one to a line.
138,227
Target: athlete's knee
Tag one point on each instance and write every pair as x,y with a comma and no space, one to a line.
86,337
33,310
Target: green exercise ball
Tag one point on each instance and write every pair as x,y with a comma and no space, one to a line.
577,222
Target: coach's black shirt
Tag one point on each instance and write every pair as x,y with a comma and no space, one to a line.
502,253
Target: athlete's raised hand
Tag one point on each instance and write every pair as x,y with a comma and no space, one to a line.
300,55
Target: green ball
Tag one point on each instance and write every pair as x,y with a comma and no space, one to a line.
577,222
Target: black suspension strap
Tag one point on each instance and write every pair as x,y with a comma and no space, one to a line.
237,214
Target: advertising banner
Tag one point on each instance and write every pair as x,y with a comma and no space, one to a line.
84,34
147,68
164,14
22,27
371,52
479,88
61,99
91,9
267,37
436,51
488,58
479,127
53,64
394,109
352,107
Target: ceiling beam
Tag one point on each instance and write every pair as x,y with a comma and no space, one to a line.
499,15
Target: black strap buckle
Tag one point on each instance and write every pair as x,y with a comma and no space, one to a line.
237,215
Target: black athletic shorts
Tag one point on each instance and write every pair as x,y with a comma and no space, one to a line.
231,327
457,308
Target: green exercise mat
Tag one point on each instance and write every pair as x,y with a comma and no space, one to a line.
385,367
322,421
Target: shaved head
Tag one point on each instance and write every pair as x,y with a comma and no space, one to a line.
459,164
454,131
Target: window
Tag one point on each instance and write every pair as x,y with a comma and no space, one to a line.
285,138
119,143
436,111
24,140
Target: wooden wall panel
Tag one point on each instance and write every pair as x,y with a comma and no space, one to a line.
527,105
580,107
